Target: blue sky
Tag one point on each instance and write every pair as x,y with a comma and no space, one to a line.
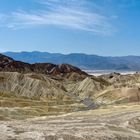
103,27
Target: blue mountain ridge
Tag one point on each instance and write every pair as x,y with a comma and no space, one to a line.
83,61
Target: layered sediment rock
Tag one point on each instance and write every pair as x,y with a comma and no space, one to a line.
64,84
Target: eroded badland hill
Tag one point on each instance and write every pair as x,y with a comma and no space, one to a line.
61,102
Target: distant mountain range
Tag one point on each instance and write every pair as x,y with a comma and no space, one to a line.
83,61
7,64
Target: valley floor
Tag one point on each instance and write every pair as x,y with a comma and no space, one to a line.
120,122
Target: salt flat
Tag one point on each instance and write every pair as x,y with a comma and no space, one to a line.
103,72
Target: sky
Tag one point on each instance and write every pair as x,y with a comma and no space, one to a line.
102,27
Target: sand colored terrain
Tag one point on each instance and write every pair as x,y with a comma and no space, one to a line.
30,95
109,123
44,107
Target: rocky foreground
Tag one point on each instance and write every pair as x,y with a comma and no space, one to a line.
61,102
111,123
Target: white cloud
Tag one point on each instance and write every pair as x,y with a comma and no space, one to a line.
63,13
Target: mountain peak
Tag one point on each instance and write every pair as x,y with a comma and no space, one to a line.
5,60
4,57
10,65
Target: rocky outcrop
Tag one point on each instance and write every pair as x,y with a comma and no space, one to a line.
32,94
31,85
118,80
86,88
122,89
10,65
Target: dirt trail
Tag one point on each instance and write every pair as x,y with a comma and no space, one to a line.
111,123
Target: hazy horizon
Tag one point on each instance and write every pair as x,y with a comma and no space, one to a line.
102,27
69,53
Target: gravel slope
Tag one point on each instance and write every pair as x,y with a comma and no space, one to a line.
111,123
